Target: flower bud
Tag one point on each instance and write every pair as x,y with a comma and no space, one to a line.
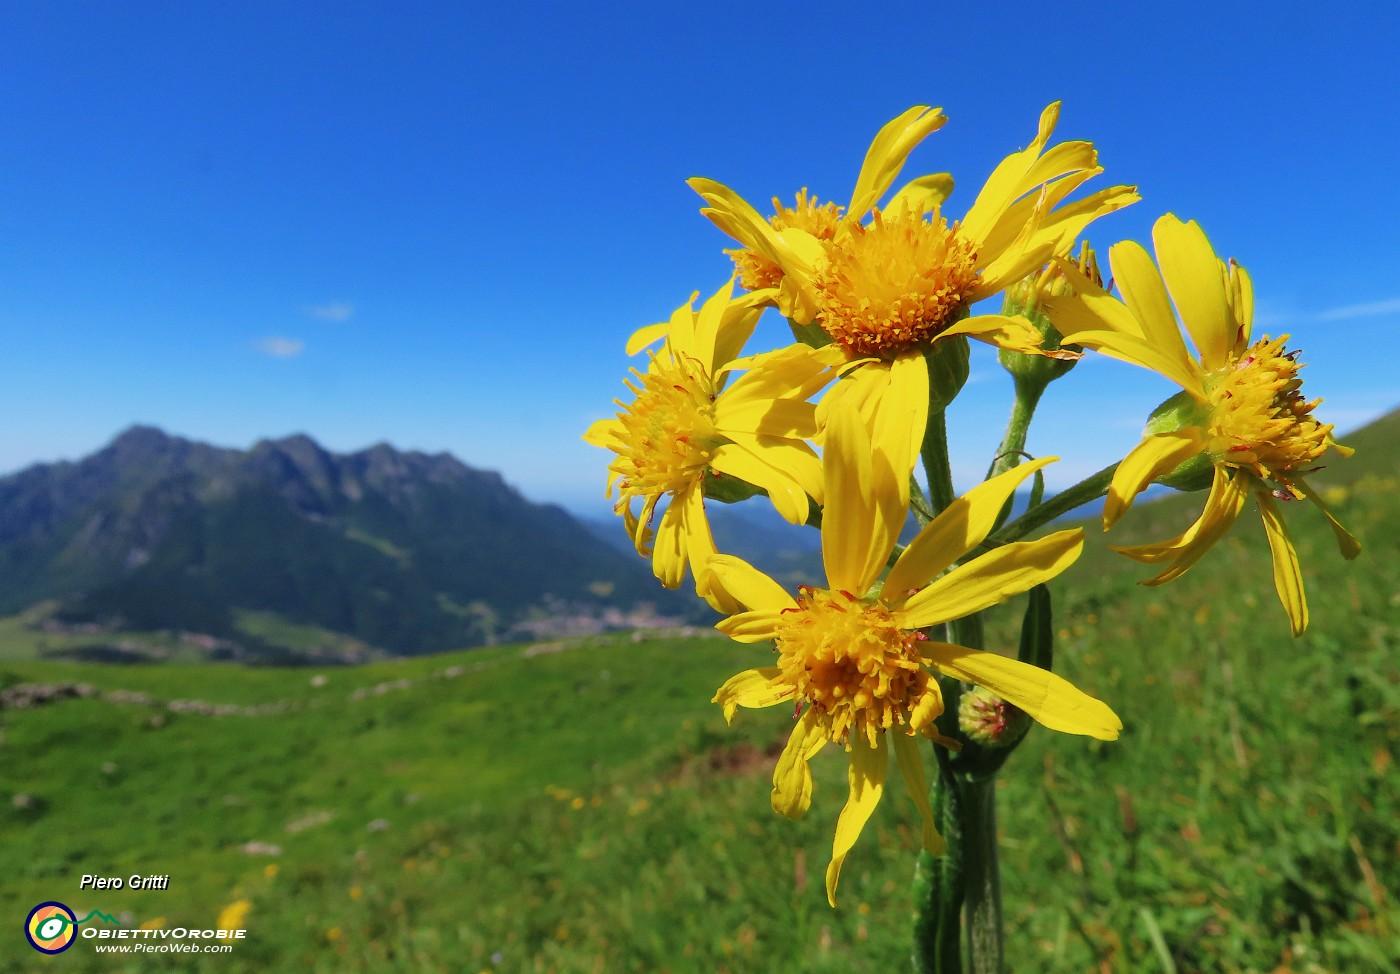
1027,298
989,720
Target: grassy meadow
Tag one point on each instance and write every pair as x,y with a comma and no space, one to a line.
581,806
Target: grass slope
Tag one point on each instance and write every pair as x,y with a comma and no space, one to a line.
585,809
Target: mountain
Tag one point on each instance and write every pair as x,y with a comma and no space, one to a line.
400,552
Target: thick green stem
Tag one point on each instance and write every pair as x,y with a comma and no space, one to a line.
1091,488
938,886
981,875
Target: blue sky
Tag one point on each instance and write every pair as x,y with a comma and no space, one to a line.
434,224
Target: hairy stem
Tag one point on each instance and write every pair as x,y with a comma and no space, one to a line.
1088,489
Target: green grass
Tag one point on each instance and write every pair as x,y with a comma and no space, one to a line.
587,810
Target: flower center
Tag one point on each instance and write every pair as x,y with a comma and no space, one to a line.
757,272
852,664
895,283
1259,420
668,433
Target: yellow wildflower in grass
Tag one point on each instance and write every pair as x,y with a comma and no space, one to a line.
1242,417
687,424
852,657
232,916
886,289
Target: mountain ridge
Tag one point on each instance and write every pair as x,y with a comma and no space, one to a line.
408,551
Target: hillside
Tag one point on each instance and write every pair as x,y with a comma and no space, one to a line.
581,806
286,548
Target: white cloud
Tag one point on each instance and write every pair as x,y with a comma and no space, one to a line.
334,311
279,347
1361,310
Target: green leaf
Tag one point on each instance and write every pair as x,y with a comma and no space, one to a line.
1038,631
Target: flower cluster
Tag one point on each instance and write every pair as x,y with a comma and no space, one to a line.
879,294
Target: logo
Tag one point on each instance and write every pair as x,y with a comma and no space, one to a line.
51,927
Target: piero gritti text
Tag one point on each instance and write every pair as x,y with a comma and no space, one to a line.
135,881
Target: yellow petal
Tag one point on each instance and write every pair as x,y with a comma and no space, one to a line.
749,586
1094,318
887,154
602,432
732,213
1242,302
792,778
900,417
1146,296
922,195
700,549
1004,331
707,324
928,707
1090,307
794,372
669,552
859,388
911,764
787,495
1041,231
1064,159
1288,576
680,333
772,417
957,530
802,257
991,578
1223,505
1193,275
1008,181
1018,227
639,528
1346,542
1049,699
757,626
1156,456
646,335
1136,351
851,511
1066,224
737,324
790,457
762,687
867,781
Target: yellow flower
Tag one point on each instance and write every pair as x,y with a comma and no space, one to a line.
1242,416
852,657
888,288
232,916
686,425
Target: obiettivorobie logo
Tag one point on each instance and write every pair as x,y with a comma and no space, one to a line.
52,927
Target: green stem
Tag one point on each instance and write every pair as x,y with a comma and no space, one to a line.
934,452
1088,489
1014,441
